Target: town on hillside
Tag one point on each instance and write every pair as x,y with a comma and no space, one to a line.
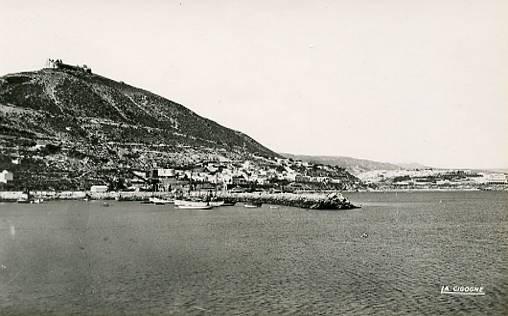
43,167
256,173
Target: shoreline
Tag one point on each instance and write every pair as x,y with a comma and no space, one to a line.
12,196
331,201
143,195
307,200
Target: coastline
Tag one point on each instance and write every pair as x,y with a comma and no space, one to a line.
331,201
12,196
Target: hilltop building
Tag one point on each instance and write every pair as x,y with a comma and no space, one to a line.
59,64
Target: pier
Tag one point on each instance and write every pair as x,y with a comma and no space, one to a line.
321,201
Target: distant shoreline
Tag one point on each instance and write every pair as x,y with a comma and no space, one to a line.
424,190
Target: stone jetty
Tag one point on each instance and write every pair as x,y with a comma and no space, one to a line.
320,201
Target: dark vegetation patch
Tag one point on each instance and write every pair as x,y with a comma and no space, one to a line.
17,79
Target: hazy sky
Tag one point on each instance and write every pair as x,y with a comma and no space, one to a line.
397,81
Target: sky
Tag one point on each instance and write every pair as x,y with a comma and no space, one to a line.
392,80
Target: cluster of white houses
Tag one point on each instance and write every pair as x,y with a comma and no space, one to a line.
222,174
225,175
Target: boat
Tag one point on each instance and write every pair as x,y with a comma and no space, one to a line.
252,205
190,202
180,202
194,207
217,203
37,201
25,198
158,201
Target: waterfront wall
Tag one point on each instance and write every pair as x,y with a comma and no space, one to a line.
11,195
78,195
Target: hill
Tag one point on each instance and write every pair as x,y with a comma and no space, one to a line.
68,123
353,165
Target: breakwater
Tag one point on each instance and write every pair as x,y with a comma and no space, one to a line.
332,201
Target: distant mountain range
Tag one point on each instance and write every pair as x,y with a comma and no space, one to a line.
354,165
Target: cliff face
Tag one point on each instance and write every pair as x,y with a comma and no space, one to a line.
80,122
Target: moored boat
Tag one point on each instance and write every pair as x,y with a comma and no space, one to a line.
25,198
158,201
194,207
252,205
191,202
217,203
38,201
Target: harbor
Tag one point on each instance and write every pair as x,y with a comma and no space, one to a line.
69,256
330,201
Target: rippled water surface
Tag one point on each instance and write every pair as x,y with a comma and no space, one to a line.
82,258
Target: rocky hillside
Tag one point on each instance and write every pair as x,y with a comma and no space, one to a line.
70,123
71,105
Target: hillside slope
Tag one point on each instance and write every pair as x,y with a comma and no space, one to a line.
353,165
73,105
82,122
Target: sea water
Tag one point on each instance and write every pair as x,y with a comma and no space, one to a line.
391,257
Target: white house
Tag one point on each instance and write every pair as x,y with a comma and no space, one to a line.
6,176
162,172
99,188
